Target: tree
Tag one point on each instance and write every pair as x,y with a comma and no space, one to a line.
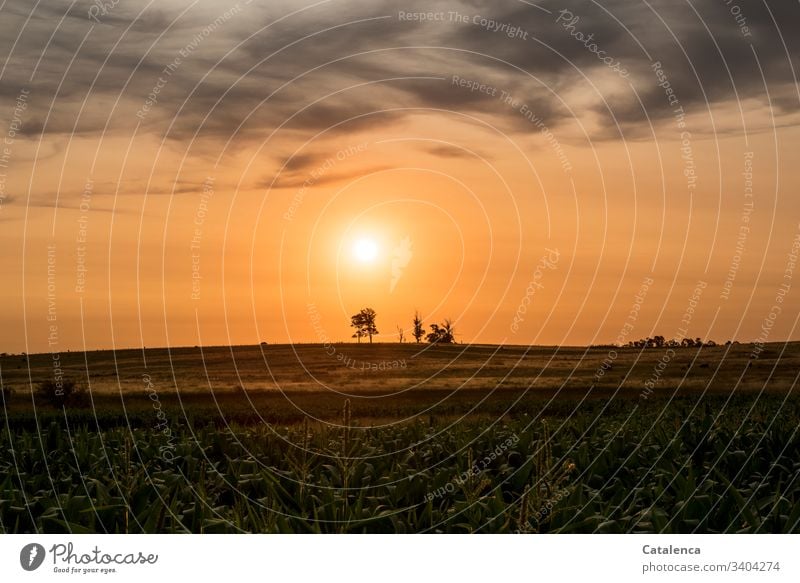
357,322
418,331
369,315
401,334
434,335
364,323
444,334
448,331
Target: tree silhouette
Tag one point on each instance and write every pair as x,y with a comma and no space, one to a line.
448,331
418,332
364,323
444,334
401,334
661,342
434,335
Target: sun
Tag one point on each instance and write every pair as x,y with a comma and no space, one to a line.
365,250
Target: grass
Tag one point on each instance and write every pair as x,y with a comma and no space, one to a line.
309,367
705,466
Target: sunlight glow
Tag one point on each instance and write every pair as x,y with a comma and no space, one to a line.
365,250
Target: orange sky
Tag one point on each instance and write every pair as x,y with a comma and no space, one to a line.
229,231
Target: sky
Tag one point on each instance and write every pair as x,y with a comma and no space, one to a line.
202,173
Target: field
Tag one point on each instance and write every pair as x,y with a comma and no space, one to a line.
390,438
353,369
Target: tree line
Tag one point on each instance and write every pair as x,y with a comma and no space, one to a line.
661,342
365,327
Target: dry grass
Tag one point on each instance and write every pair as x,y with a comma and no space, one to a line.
308,368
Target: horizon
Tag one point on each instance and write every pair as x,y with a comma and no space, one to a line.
717,344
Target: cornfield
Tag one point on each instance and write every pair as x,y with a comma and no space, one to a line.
693,465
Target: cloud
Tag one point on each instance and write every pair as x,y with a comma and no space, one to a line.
445,151
300,179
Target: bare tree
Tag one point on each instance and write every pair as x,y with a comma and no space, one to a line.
401,334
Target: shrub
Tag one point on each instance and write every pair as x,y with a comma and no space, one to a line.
61,394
